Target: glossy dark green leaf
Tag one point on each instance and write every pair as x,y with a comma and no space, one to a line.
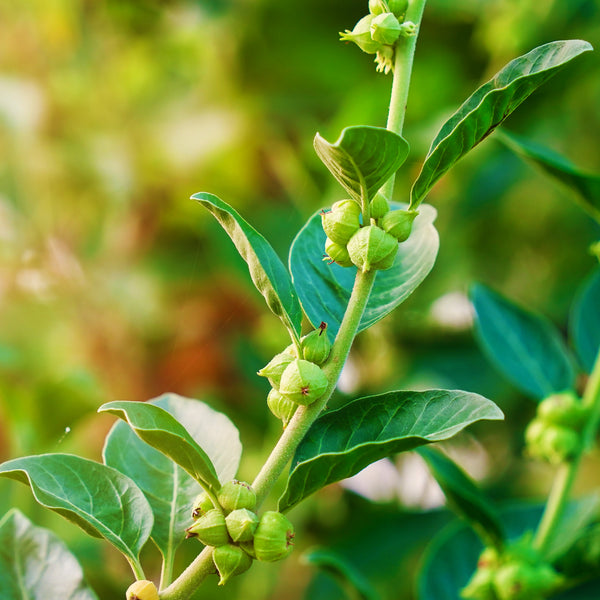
169,489
585,322
325,289
488,106
37,565
464,496
363,158
343,442
526,347
159,429
268,273
586,185
102,501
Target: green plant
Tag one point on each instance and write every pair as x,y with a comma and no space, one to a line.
383,249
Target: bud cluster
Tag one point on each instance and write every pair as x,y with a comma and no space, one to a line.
237,534
555,433
379,31
372,245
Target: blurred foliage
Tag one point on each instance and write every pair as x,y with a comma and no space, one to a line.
113,285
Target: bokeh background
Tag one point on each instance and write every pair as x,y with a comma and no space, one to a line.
114,285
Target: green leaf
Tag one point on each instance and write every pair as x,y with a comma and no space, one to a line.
162,431
325,289
169,489
464,496
341,443
586,185
102,501
37,565
363,158
585,322
524,346
488,106
268,273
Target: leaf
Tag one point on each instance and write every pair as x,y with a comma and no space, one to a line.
169,489
524,346
269,275
586,185
162,431
342,442
464,496
102,501
37,565
325,289
489,106
585,321
363,158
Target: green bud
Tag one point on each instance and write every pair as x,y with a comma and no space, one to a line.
385,28
303,382
372,248
241,524
558,444
480,586
361,36
142,590
399,223
316,346
385,59
533,434
337,253
522,580
210,529
562,409
408,29
379,206
202,504
230,560
341,222
281,407
376,7
274,536
276,366
398,7
237,494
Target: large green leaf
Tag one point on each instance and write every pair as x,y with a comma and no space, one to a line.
343,442
526,347
464,496
586,185
325,289
585,322
268,273
155,426
102,501
37,565
363,158
488,106
169,489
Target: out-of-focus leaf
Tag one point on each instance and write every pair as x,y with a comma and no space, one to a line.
585,321
524,346
489,106
343,442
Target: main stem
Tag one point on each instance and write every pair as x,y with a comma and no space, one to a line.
305,416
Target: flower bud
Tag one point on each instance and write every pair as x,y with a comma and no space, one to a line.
385,28
361,36
521,580
408,29
398,7
303,382
337,253
316,346
276,366
399,223
230,560
237,494
379,206
341,222
202,504
558,444
274,536
210,529
281,407
142,590
241,524
562,409
376,7
372,248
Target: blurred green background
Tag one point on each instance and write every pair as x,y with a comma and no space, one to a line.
114,285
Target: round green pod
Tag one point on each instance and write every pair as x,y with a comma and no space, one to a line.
337,253
385,28
399,223
210,529
230,560
398,7
562,409
316,346
281,407
559,444
376,7
241,524
361,36
276,366
341,222
274,537
372,248
379,206
303,382
201,505
237,494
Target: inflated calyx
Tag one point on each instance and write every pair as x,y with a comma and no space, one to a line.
372,248
385,28
241,524
230,560
341,222
210,529
276,366
337,253
202,504
378,206
237,494
303,382
316,346
142,590
280,406
399,223
274,537
361,36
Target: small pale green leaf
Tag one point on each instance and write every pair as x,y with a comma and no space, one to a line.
37,565
363,158
325,289
268,273
524,346
159,429
585,322
343,442
169,489
464,496
489,106
102,501
585,185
